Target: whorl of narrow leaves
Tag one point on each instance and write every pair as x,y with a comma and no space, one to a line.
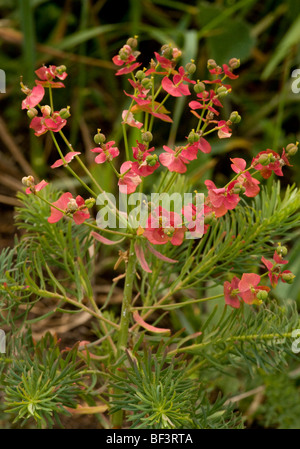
39,384
157,394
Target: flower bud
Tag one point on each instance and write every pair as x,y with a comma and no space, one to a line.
151,160
264,159
90,202
167,51
235,117
288,277
176,53
46,110
147,83
239,188
61,69
262,295
99,138
211,64
32,112
193,137
281,250
147,136
234,63
199,87
132,42
210,218
65,113
190,68
140,75
292,149
222,91
28,181
125,52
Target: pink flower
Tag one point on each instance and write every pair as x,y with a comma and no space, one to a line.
223,199
129,119
245,179
164,62
129,180
224,132
68,158
128,57
206,97
47,74
238,164
34,98
194,219
43,124
37,187
146,163
250,184
201,145
274,271
69,205
107,152
163,227
275,165
228,72
176,161
146,106
231,293
177,88
249,288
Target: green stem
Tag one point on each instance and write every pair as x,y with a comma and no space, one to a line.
126,142
117,418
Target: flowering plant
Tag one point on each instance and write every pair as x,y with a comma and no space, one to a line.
173,245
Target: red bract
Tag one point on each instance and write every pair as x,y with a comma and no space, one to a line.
68,158
238,164
177,88
163,227
69,205
223,199
107,152
228,72
231,293
129,119
129,180
34,98
201,145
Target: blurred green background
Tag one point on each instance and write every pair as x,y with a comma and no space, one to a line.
84,35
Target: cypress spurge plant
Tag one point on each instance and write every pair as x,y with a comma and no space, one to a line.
197,270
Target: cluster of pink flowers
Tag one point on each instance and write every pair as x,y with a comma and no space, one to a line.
141,160
49,120
247,288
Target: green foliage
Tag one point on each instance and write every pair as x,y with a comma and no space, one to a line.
281,406
41,382
157,394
